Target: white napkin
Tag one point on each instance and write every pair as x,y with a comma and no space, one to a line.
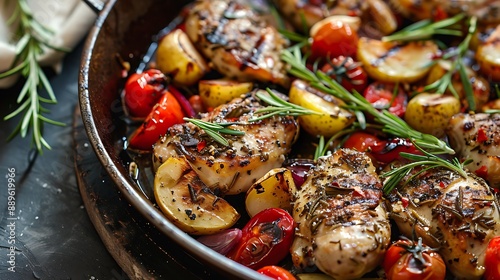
70,20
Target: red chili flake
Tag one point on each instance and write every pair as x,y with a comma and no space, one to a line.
201,145
482,172
481,136
405,202
442,185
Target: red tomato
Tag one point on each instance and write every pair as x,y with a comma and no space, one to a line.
276,272
143,90
165,113
406,259
334,38
384,151
381,96
492,259
266,239
347,72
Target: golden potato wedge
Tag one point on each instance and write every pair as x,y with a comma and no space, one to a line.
217,92
431,112
480,87
332,117
188,203
390,62
273,190
176,56
488,56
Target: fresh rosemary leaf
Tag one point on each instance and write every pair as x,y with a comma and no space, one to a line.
425,29
214,130
29,48
464,78
279,107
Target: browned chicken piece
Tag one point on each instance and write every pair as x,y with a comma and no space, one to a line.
457,215
305,13
343,226
477,137
239,43
234,168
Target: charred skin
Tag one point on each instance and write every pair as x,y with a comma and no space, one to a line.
231,169
455,214
239,43
343,227
305,13
477,137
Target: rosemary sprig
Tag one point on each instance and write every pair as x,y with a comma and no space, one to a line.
391,123
278,107
427,161
34,38
425,29
215,130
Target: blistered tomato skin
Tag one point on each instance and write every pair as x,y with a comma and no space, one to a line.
142,92
266,239
333,39
406,259
492,260
383,151
164,114
347,72
381,96
276,272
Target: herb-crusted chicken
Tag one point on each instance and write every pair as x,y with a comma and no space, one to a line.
234,168
239,43
455,214
343,227
477,137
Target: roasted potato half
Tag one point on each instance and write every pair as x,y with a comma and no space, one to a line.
188,203
177,57
488,55
273,190
217,92
331,117
431,112
390,62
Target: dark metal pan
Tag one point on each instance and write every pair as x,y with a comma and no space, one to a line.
124,30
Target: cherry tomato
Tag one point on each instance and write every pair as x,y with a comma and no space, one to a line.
266,239
164,114
383,151
143,90
347,72
276,272
381,96
334,38
492,259
406,259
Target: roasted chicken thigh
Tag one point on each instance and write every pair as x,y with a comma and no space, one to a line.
231,169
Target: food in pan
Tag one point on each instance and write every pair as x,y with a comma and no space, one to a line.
340,139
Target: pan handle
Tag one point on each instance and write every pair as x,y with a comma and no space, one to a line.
95,5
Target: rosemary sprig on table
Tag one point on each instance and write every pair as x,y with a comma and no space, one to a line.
391,124
34,38
215,130
425,30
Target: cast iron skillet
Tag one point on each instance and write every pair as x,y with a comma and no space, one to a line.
125,29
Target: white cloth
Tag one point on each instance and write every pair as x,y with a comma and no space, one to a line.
70,21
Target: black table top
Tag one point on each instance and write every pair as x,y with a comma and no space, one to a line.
54,236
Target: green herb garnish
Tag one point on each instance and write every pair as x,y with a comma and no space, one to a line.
33,39
215,130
